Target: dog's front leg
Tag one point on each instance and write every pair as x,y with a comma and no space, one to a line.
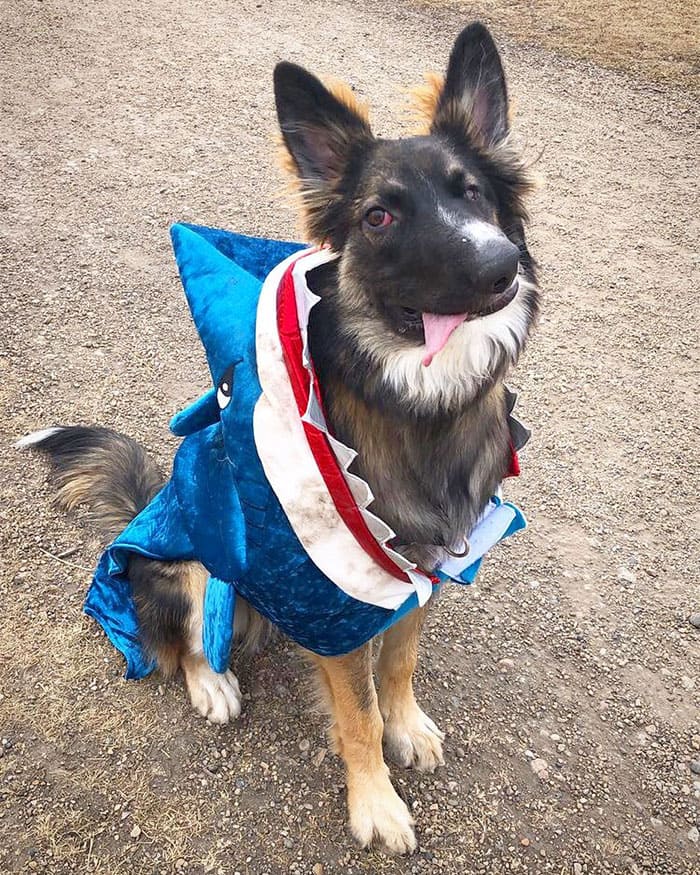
376,811
410,736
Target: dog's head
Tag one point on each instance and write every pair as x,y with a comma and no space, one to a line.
429,228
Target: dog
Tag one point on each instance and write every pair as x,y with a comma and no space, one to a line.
422,314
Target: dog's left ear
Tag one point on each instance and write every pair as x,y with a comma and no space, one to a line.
474,98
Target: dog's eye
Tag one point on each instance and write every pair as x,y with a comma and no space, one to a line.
472,193
377,217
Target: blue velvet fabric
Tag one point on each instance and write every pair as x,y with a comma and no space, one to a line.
218,507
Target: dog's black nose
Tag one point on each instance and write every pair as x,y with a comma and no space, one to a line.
496,266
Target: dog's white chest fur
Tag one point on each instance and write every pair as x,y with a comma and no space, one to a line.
472,353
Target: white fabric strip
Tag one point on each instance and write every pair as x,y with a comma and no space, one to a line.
488,531
291,468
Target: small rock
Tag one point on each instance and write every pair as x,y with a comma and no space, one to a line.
694,619
693,834
687,683
319,756
135,832
625,575
525,842
304,745
317,869
506,663
695,767
539,767
578,869
695,741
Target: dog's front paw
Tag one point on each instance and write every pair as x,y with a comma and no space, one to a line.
412,739
215,696
378,815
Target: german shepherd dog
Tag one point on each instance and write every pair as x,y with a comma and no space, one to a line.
427,307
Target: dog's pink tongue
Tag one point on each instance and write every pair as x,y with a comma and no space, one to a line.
437,330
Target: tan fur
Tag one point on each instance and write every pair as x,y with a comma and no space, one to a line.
360,720
251,630
410,736
374,806
386,454
344,93
76,491
424,99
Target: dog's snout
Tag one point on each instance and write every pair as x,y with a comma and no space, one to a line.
496,266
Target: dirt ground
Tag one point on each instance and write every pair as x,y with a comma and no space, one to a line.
575,647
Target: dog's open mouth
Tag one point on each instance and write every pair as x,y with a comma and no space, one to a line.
437,328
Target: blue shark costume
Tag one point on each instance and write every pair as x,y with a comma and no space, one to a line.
246,498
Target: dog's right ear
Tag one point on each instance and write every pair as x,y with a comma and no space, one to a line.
319,130
322,131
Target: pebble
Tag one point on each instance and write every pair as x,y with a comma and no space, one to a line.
625,575
317,869
135,832
694,619
539,767
693,834
687,683
304,745
695,767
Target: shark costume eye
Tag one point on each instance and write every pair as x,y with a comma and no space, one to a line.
225,388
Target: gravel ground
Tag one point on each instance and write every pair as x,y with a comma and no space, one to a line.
567,680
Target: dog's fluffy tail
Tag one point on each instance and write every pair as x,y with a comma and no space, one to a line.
106,471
